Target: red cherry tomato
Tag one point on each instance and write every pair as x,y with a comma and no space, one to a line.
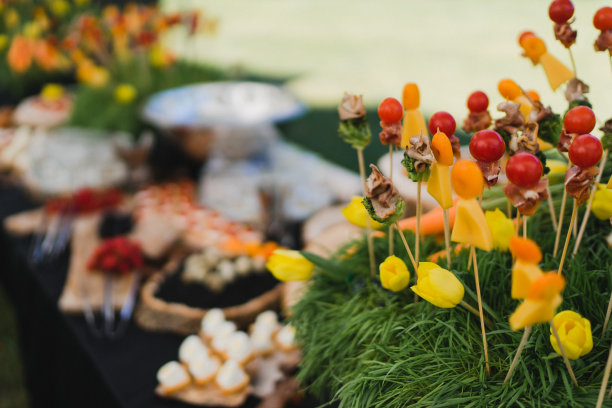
560,11
602,20
524,169
444,122
580,119
585,151
487,146
390,110
477,102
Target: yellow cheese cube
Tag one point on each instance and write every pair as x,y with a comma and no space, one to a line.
439,185
555,71
523,275
471,225
413,125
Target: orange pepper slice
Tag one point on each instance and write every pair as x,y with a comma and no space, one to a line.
466,179
509,89
442,149
547,286
525,249
534,48
533,95
411,98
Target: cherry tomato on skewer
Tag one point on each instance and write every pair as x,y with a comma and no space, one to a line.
487,146
585,151
602,20
390,110
579,119
524,169
560,11
477,102
443,122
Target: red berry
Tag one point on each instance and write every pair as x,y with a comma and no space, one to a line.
602,20
579,119
390,110
560,11
478,102
444,122
585,151
524,169
487,146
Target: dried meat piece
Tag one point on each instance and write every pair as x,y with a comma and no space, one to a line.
576,90
456,146
382,193
351,107
477,121
604,41
513,118
565,140
390,133
578,182
565,34
420,151
541,111
527,200
525,140
490,171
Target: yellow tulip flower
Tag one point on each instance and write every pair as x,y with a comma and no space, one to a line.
502,229
602,202
287,265
52,92
394,274
574,333
357,215
125,93
438,286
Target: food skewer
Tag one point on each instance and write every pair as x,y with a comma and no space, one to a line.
602,20
560,12
604,381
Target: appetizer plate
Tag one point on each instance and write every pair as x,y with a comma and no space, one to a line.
225,104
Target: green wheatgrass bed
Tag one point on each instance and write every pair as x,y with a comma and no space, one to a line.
367,347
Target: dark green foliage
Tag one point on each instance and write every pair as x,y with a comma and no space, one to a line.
408,163
606,141
506,136
368,347
542,158
399,211
575,103
355,132
549,128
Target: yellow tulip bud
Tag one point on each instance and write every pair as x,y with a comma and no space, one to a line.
438,286
574,333
59,7
52,92
502,229
287,265
125,93
3,41
357,215
11,18
602,202
394,274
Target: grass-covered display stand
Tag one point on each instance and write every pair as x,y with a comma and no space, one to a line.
365,346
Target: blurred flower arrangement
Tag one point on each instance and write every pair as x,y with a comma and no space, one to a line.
115,53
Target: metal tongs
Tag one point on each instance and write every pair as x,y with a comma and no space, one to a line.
108,329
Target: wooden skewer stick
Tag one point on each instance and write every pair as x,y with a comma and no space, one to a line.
368,223
519,351
401,233
417,245
390,178
567,238
573,62
585,219
560,225
565,359
604,382
551,207
469,257
607,319
525,218
447,237
482,326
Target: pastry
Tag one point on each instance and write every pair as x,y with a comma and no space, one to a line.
261,341
192,349
211,322
231,378
222,335
204,368
173,377
285,338
239,348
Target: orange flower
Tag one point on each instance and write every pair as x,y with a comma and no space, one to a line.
20,54
47,56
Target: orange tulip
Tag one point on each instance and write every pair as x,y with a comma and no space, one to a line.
20,54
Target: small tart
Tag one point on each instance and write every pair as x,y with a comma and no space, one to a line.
222,335
266,321
285,338
191,349
231,378
211,322
204,369
261,341
173,377
239,348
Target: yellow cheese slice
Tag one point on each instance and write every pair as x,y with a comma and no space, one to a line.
439,185
525,107
531,312
414,124
523,275
610,183
544,145
555,71
471,225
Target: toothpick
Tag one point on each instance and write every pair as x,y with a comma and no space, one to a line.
509,209
607,319
401,233
585,219
560,226
525,218
573,62
567,238
565,359
519,351
551,207
418,223
447,237
368,223
482,327
390,178
604,382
